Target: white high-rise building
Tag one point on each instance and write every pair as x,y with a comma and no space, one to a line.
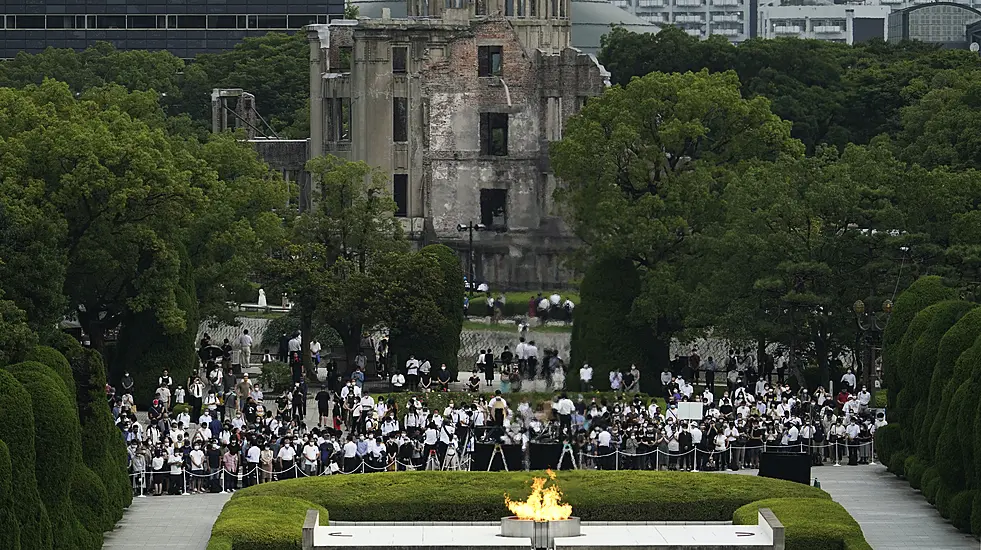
699,18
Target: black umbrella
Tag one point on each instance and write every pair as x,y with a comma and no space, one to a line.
208,353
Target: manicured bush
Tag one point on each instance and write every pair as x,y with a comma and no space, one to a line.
920,365
954,454
976,514
913,469
103,448
57,447
897,463
946,376
810,524
57,362
9,528
276,377
478,496
930,488
905,400
960,510
15,402
922,293
90,503
604,334
262,523
881,399
943,498
887,441
443,344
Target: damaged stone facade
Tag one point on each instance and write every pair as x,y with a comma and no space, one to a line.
458,103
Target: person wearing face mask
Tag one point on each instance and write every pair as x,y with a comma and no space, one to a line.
444,378
287,459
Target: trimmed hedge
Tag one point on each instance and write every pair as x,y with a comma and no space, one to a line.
478,496
943,498
810,524
924,292
905,401
930,487
57,448
262,523
32,516
9,528
960,510
954,454
57,362
897,463
603,334
976,514
443,345
887,441
913,469
946,376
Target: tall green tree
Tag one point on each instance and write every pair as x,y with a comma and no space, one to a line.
644,168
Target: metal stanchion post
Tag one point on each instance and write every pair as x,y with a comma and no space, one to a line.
616,459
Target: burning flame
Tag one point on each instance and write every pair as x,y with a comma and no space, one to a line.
543,504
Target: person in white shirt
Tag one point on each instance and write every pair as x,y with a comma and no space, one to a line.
311,457
287,458
398,381
245,349
315,348
196,457
848,379
564,409
252,470
863,400
412,373
586,377
604,447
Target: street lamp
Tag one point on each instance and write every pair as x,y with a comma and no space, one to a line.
870,326
470,228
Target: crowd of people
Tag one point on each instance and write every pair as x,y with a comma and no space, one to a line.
216,431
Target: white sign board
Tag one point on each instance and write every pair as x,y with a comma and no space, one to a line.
689,411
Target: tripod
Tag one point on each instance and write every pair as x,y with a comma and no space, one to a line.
497,450
567,450
432,463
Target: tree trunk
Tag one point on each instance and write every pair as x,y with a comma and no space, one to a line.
95,329
351,336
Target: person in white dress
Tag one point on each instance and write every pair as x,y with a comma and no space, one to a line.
262,298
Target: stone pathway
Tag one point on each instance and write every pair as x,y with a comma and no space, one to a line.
167,523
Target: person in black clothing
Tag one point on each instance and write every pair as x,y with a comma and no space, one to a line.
507,357
299,400
226,353
323,406
214,464
685,446
489,367
283,353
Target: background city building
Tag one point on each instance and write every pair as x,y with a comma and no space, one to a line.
944,23
733,19
846,23
182,27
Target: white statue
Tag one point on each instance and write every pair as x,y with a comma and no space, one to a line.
262,298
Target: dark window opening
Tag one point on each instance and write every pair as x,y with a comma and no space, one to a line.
509,7
481,8
192,22
171,21
222,22
79,21
400,55
62,22
35,22
493,207
339,119
489,60
400,192
271,22
400,119
142,22
300,21
344,56
494,134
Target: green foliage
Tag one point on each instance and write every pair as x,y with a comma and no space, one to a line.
947,377
888,440
289,324
438,341
960,510
276,376
91,504
51,358
897,463
263,522
16,337
976,514
32,516
57,448
881,399
930,481
913,469
943,498
811,524
9,528
604,335
954,454
921,294
476,496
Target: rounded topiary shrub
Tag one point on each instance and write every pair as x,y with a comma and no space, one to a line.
810,524
888,440
976,515
943,498
268,522
32,517
913,469
948,375
57,446
897,463
9,528
90,502
960,510
930,489
56,362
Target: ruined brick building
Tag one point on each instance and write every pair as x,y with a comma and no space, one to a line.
458,102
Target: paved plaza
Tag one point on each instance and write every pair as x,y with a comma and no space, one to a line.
892,515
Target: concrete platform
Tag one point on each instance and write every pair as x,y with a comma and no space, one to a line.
415,537
661,537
